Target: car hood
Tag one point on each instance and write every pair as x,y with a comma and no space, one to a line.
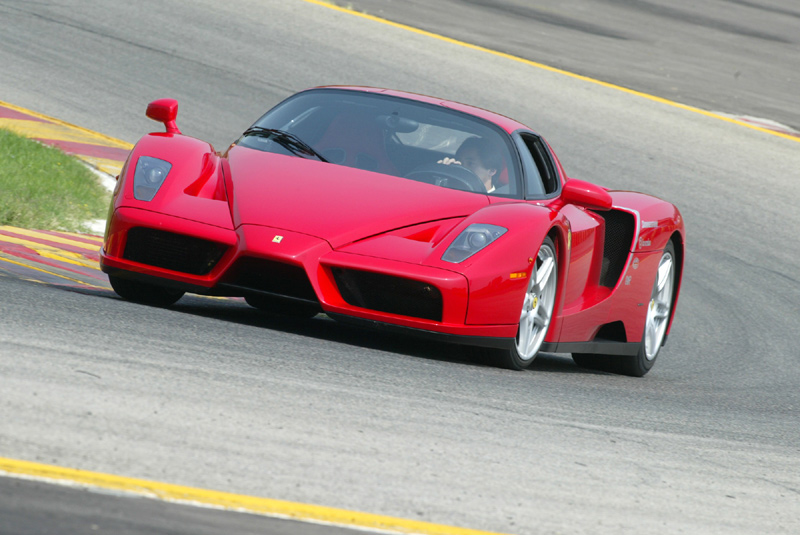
335,203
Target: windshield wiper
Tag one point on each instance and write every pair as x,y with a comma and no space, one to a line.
286,140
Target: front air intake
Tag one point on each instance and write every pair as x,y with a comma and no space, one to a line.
261,275
386,293
176,252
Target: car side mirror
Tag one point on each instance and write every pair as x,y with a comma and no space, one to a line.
582,193
165,111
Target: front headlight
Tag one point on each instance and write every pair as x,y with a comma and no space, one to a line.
471,240
149,176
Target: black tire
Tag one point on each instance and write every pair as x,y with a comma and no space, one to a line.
144,293
537,312
283,307
662,302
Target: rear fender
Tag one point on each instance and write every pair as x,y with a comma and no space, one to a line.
657,220
658,223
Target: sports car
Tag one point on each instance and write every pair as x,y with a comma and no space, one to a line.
401,211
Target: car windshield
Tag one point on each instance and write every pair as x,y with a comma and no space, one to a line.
393,136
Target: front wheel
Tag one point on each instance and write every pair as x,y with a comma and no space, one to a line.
659,310
146,294
537,311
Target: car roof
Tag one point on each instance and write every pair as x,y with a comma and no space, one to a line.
506,123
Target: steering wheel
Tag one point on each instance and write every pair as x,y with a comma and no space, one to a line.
451,176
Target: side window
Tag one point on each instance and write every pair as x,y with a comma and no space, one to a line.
540,176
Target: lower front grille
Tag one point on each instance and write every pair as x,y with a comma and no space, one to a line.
277,278
386,293
175,252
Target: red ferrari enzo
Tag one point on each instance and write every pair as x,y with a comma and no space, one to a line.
401,211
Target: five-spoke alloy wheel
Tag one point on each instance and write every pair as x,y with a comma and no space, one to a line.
537,310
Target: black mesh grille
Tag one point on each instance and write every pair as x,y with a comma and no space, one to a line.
176,252
385,293
618,243
262,275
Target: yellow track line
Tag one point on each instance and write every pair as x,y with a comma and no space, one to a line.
542,66
55,238
226,500
53,253
110,167
47,130
56,129
28,266
98,138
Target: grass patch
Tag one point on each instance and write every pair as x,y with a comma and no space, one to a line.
43,188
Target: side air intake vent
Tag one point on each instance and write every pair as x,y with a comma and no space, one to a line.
618,244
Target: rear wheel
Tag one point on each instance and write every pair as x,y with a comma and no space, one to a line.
537,311
282,307
144,293
659,311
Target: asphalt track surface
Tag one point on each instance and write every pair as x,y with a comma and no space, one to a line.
37,508
213,395
738,57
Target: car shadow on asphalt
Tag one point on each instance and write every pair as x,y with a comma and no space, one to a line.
321,327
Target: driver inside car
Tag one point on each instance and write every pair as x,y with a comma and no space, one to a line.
479,156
